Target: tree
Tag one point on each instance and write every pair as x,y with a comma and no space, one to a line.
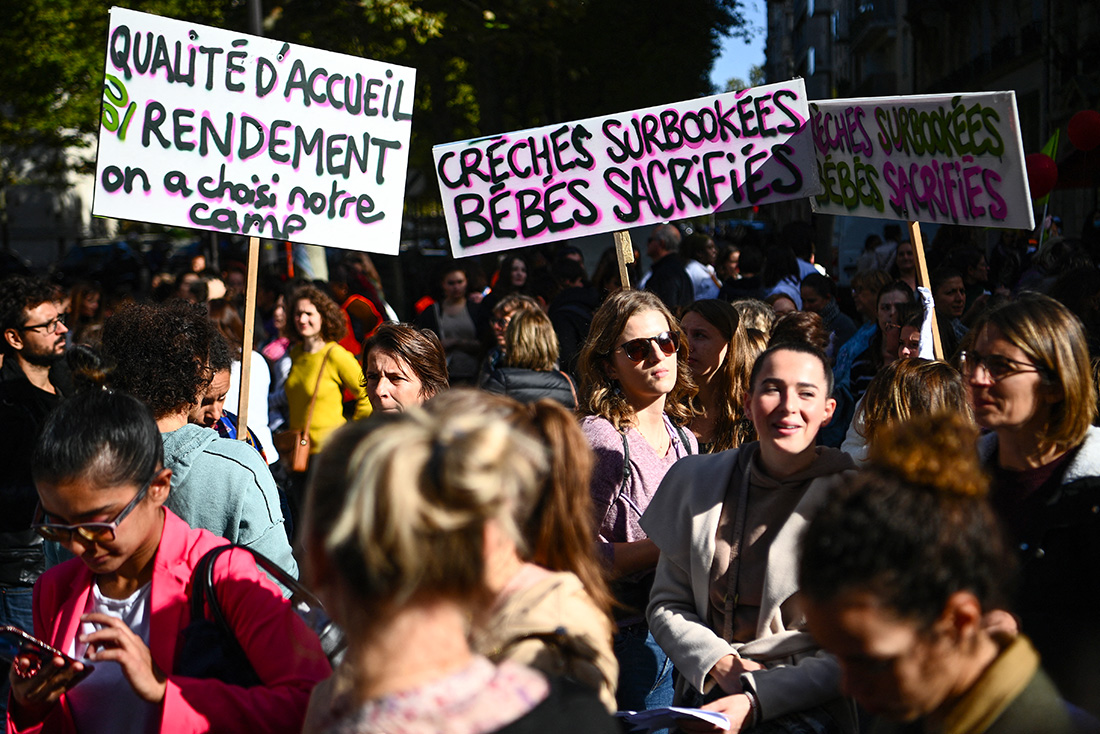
50,93
480,68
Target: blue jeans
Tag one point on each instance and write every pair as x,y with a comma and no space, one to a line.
15,609
645,672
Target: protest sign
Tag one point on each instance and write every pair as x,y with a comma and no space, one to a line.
626,170
949,159
211,129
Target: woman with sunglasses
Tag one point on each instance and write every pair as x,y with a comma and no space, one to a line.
635,387
122,604
1031,385
725,604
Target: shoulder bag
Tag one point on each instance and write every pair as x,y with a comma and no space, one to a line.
210,648
294,446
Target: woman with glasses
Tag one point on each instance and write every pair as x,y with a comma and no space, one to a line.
1031,385
725,604
122,604
636,389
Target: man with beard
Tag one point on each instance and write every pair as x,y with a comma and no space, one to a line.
33,380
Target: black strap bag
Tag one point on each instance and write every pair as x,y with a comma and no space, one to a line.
210,648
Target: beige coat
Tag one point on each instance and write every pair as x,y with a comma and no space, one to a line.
553,626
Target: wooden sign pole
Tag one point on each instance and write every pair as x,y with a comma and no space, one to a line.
624,250
922,279
249,335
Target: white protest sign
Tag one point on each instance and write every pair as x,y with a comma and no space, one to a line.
950,159
627,170
206,128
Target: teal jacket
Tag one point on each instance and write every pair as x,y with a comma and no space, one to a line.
225,487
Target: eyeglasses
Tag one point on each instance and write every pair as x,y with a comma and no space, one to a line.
638,349
96,532
50,326
996,366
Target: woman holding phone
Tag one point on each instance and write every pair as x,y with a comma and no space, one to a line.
122,604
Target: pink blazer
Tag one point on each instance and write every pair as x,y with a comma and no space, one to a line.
285,653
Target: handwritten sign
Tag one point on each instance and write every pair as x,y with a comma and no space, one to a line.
627,170
931,158
224,131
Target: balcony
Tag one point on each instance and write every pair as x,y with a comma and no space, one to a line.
873,23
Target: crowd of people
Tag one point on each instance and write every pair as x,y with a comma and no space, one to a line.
545,497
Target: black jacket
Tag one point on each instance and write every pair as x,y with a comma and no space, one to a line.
571,314
670,282
23,412
527,386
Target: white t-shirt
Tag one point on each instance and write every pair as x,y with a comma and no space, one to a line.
259,384
104,702
703,279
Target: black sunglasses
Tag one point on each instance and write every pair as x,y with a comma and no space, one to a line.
638,349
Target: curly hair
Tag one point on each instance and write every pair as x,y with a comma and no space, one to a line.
912,529
601,394
333,324
160,354
18,295
731,428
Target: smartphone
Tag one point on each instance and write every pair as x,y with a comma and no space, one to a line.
15,642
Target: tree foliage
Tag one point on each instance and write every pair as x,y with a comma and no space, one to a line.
51,87
481,68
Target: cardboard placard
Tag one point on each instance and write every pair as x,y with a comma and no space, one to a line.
947,159
610,173
210,129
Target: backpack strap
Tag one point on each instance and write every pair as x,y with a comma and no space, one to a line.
626,463
683,437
